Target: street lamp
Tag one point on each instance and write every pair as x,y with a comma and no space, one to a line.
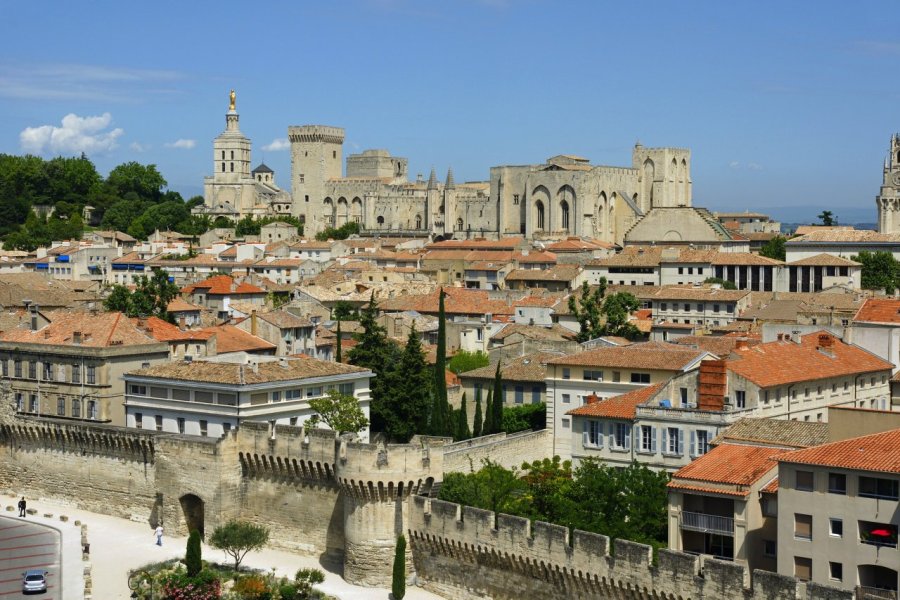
136,582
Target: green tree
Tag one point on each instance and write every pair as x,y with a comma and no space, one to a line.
527,417
378,353
398,581
341,233
827,217
192,557
339,343
237,538
462,420
547,484
726,285
151,298
487,427
497,406
478,424
440,410
464,361
305,579
492,487
880,270
617,308
341,412
774,248
589,310
119,299
143,180
405,409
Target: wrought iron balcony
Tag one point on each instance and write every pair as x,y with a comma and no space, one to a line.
693,521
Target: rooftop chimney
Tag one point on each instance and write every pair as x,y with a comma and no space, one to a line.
742,344
591,399
825,340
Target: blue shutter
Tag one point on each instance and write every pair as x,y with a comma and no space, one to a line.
627,436
601,431
680,443
653,440
585,429
612,435
665,439
693,443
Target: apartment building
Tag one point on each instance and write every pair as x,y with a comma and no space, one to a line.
211,397
217,293
606,372
838,514
72,365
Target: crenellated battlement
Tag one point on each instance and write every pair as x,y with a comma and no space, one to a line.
31,433
316,133
469,552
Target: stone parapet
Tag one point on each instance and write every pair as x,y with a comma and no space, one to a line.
465,552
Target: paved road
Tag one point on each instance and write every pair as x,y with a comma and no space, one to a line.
26,545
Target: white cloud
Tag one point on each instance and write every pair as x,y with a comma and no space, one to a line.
60,81
77,134
734,164
137,147
182,144
754,166
277,145
750,166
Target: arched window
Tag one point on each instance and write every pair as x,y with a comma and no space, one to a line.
459,224
232,167
380,221
418,221
259,177
232,155
539,215
223,165
564,215
223,156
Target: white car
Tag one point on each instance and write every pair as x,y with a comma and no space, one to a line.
34,580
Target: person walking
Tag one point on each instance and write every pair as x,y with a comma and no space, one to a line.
158,533
22,507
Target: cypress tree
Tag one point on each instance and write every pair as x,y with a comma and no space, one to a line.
462,429
406,408
488,428
192,557
476,426
375,351
338,356
440,412
497,407
398,581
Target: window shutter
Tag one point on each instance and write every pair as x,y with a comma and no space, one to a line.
680,443
665,439
653,440
693,443
585,432
601,431
627,437
612,435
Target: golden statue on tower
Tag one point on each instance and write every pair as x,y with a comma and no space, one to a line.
231,100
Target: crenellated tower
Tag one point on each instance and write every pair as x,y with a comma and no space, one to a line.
316,156
888,199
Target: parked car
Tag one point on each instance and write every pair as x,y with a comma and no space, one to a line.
34,580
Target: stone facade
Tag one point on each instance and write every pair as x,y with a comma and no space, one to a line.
888,200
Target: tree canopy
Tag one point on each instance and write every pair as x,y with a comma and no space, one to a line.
774,248
237,538
601,315
151,297
880,270
465,360
341,412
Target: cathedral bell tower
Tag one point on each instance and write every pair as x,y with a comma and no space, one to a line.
888,199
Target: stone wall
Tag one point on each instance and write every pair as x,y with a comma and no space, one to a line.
508,450
464,552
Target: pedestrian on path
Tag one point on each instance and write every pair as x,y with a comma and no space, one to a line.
22,507
158,533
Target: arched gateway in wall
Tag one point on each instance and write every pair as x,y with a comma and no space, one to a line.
192,511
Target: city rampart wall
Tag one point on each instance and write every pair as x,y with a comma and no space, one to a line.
465,552
507,450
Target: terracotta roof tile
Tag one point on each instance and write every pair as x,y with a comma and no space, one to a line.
164,331
735,464
222,285
531,367
557,273
231,339
879,310
783,362
181,305
775,432
877,452
295,368
97,330
771,487
824,260
660,356
618,407
846,236
554,332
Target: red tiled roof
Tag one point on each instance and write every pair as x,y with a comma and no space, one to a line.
100,329
879,310
877,452
617,407
222,285
648,355
735,464
784,362
231,339
705,490
771,487
163,331
181,305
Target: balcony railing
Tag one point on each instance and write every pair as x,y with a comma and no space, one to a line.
707,523
870,593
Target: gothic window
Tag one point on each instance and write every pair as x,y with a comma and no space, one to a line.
418,222
223,155
259,177
380,221
539,214
232,155
232,167
564,214
223,167
516,199
459,224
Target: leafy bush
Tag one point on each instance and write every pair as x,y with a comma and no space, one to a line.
464,361
193,557
252,587
526,417
339,233
178,585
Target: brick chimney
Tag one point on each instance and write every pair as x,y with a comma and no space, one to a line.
742,344
825,341
591,399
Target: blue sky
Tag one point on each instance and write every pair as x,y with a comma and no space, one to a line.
783,104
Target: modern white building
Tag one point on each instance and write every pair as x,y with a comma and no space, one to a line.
211,397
